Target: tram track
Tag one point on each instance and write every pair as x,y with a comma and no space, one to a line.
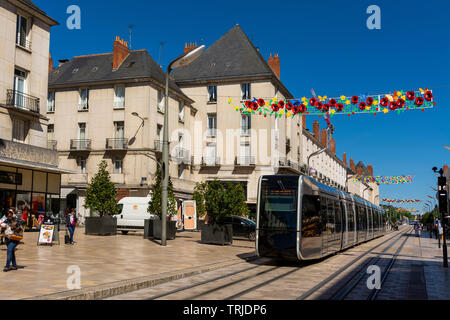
343,290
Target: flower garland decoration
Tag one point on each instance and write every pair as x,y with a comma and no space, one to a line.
399,101
401,201
384,180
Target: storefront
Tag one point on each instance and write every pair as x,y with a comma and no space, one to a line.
32,189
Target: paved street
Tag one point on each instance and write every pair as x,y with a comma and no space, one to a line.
263,279
105,260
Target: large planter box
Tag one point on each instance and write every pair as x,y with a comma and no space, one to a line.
105,226
170,232
217,234
148,228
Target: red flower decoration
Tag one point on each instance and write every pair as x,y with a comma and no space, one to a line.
340,107
326,107
261,102
401,103
362,106
289,106
411,95
369,101
319,105
275,108
255,106
249,104
384,102
333,102
393,105
355,100
419,101
281,104
428,96
295,109
303,108
313,101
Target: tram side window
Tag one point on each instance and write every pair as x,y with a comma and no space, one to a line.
311,219
351,217
362,218
324,214
338,217
331,217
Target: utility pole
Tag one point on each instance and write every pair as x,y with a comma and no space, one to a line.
443,210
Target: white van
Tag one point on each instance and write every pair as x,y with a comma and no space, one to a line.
133,212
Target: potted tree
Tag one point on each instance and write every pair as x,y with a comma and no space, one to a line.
155,208
199,198
101,197
222,200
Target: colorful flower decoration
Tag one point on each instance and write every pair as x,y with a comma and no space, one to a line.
399,101
384,180
402,201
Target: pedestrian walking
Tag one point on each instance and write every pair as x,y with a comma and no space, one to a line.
71,223
14,234
416,229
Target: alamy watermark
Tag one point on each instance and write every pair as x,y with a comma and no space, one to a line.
74,20
73,282
374,21
374,281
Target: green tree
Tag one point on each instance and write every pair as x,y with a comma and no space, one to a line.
155,205
101,193
223,200
199,197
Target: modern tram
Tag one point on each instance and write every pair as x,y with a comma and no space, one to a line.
301,219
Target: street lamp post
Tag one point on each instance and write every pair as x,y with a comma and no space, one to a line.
316,154
181,61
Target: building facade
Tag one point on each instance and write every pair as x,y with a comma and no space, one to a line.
29,174
226,145
111,107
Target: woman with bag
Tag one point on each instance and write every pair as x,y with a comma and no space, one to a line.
71,223
14,234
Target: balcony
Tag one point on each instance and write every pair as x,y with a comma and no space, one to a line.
22,101
245,161
83,107
116,144
52,145
182,156
290,165
80,145
211,133
210,162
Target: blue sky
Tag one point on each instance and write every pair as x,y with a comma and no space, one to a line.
323,45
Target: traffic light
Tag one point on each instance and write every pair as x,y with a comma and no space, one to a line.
443,201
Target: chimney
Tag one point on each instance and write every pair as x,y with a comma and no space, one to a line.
274,63
61,62
370,168
50,62
190,46
120,52
359,171
304,121
352,165
323,137
445,169
316,130
333,146
344,158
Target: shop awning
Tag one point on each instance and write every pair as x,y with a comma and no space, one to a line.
33,166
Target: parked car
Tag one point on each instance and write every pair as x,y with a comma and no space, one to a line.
133,213
242,227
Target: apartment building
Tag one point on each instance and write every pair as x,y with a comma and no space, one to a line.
29,173
226,145
111,107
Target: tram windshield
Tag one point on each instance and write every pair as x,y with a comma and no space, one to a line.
278,206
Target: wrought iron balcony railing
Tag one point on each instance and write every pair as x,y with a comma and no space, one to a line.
22,100
52,145
183,155
158,146
245,161
80,145
211,133
210,161
117,144
21,41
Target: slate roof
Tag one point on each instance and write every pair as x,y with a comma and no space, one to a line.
232,56
98,68
363,167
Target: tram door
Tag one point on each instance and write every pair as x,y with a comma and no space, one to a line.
345,224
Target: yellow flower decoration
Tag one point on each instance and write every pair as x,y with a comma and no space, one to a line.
368,108
404,97
386,110
267,104
230,100
281,111
304,99
375,103
332,111
275,99
343,98
237,109
249,110
288,114
347,102
390,97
